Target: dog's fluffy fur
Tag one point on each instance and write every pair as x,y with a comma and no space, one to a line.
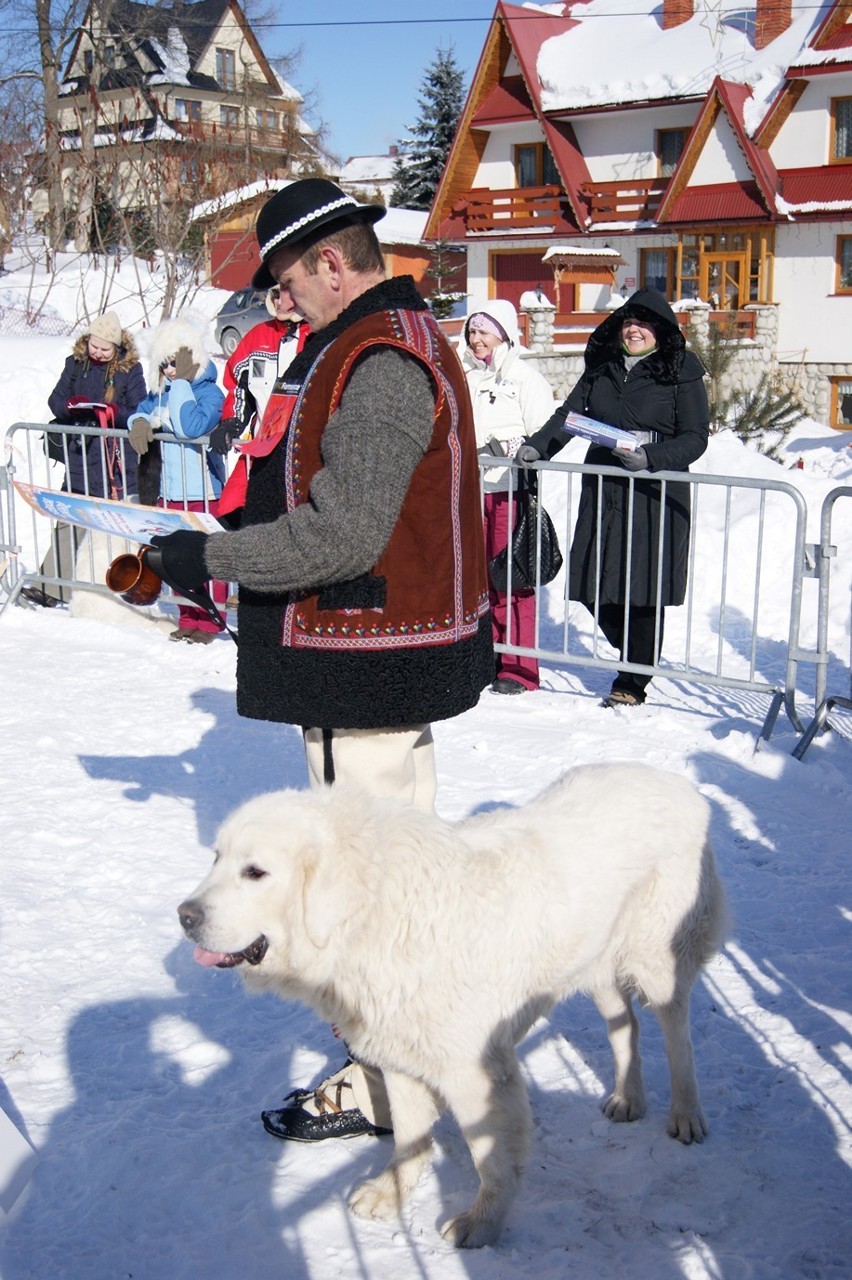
434,946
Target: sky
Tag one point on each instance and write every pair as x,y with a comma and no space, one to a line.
364,60
138,1077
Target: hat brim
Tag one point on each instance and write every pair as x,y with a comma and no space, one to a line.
368,213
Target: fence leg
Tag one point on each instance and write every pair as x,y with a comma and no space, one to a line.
816,725
771,716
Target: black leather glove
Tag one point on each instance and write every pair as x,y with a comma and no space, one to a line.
527,454
178,558
185,366
632,459
224,435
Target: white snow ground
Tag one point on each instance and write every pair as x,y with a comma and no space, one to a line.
139,1077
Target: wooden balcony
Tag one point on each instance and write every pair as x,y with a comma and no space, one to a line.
210,133
624,201
514,209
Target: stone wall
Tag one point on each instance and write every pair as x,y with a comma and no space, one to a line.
562,366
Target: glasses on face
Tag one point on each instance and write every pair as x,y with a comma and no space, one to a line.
168,363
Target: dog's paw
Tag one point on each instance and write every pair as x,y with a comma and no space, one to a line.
470,1231
687,1126
621,1107
378,1198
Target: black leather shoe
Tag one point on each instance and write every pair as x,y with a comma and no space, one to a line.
36,595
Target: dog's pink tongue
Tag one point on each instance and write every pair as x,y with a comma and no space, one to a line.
209,958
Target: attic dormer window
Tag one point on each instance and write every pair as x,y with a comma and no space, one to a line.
226,69
670,144
534,166
841,129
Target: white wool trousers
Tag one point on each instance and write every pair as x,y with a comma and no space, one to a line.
385,762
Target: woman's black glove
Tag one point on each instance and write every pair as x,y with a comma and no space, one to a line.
527,454
224,435
178,558
632,459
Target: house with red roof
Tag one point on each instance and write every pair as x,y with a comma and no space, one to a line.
702,147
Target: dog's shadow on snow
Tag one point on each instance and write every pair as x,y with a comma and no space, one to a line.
233,760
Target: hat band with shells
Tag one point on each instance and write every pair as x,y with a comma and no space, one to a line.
315,214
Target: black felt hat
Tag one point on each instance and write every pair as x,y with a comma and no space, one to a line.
297,210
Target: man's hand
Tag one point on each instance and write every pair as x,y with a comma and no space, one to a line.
178,558
224,435
140,435
632,459
185,366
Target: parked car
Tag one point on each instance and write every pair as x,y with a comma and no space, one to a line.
243,310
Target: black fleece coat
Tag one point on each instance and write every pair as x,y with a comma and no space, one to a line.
664,393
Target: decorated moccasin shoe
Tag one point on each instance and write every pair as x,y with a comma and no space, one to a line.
329,1111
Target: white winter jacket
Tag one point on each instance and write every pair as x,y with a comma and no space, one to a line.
510,398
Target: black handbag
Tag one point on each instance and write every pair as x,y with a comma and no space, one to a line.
527,573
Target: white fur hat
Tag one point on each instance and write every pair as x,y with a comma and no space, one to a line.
189,329
107,327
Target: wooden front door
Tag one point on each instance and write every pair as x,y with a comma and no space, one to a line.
512,274
724,281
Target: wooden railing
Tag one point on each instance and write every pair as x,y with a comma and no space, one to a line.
232,135
624,201
741,323
486,210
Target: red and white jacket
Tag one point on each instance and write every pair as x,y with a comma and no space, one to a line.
259,360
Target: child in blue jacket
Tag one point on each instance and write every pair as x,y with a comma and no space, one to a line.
186,402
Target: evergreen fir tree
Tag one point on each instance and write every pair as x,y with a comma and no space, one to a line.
762,416
445,262
423,154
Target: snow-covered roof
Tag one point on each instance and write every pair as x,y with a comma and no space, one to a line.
586,66
401,226
398,226
366,169
569,250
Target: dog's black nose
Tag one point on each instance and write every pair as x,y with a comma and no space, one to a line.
190,914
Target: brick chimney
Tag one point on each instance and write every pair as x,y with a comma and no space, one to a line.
675,12
771,19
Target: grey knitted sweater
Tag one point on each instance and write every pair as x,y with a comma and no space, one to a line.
370,449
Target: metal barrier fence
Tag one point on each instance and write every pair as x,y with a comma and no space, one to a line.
827,552
729,556
47,553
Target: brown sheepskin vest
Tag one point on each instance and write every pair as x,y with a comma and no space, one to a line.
409,642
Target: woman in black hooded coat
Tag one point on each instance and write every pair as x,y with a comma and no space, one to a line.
638,376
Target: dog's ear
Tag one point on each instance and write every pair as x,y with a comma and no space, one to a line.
321,911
